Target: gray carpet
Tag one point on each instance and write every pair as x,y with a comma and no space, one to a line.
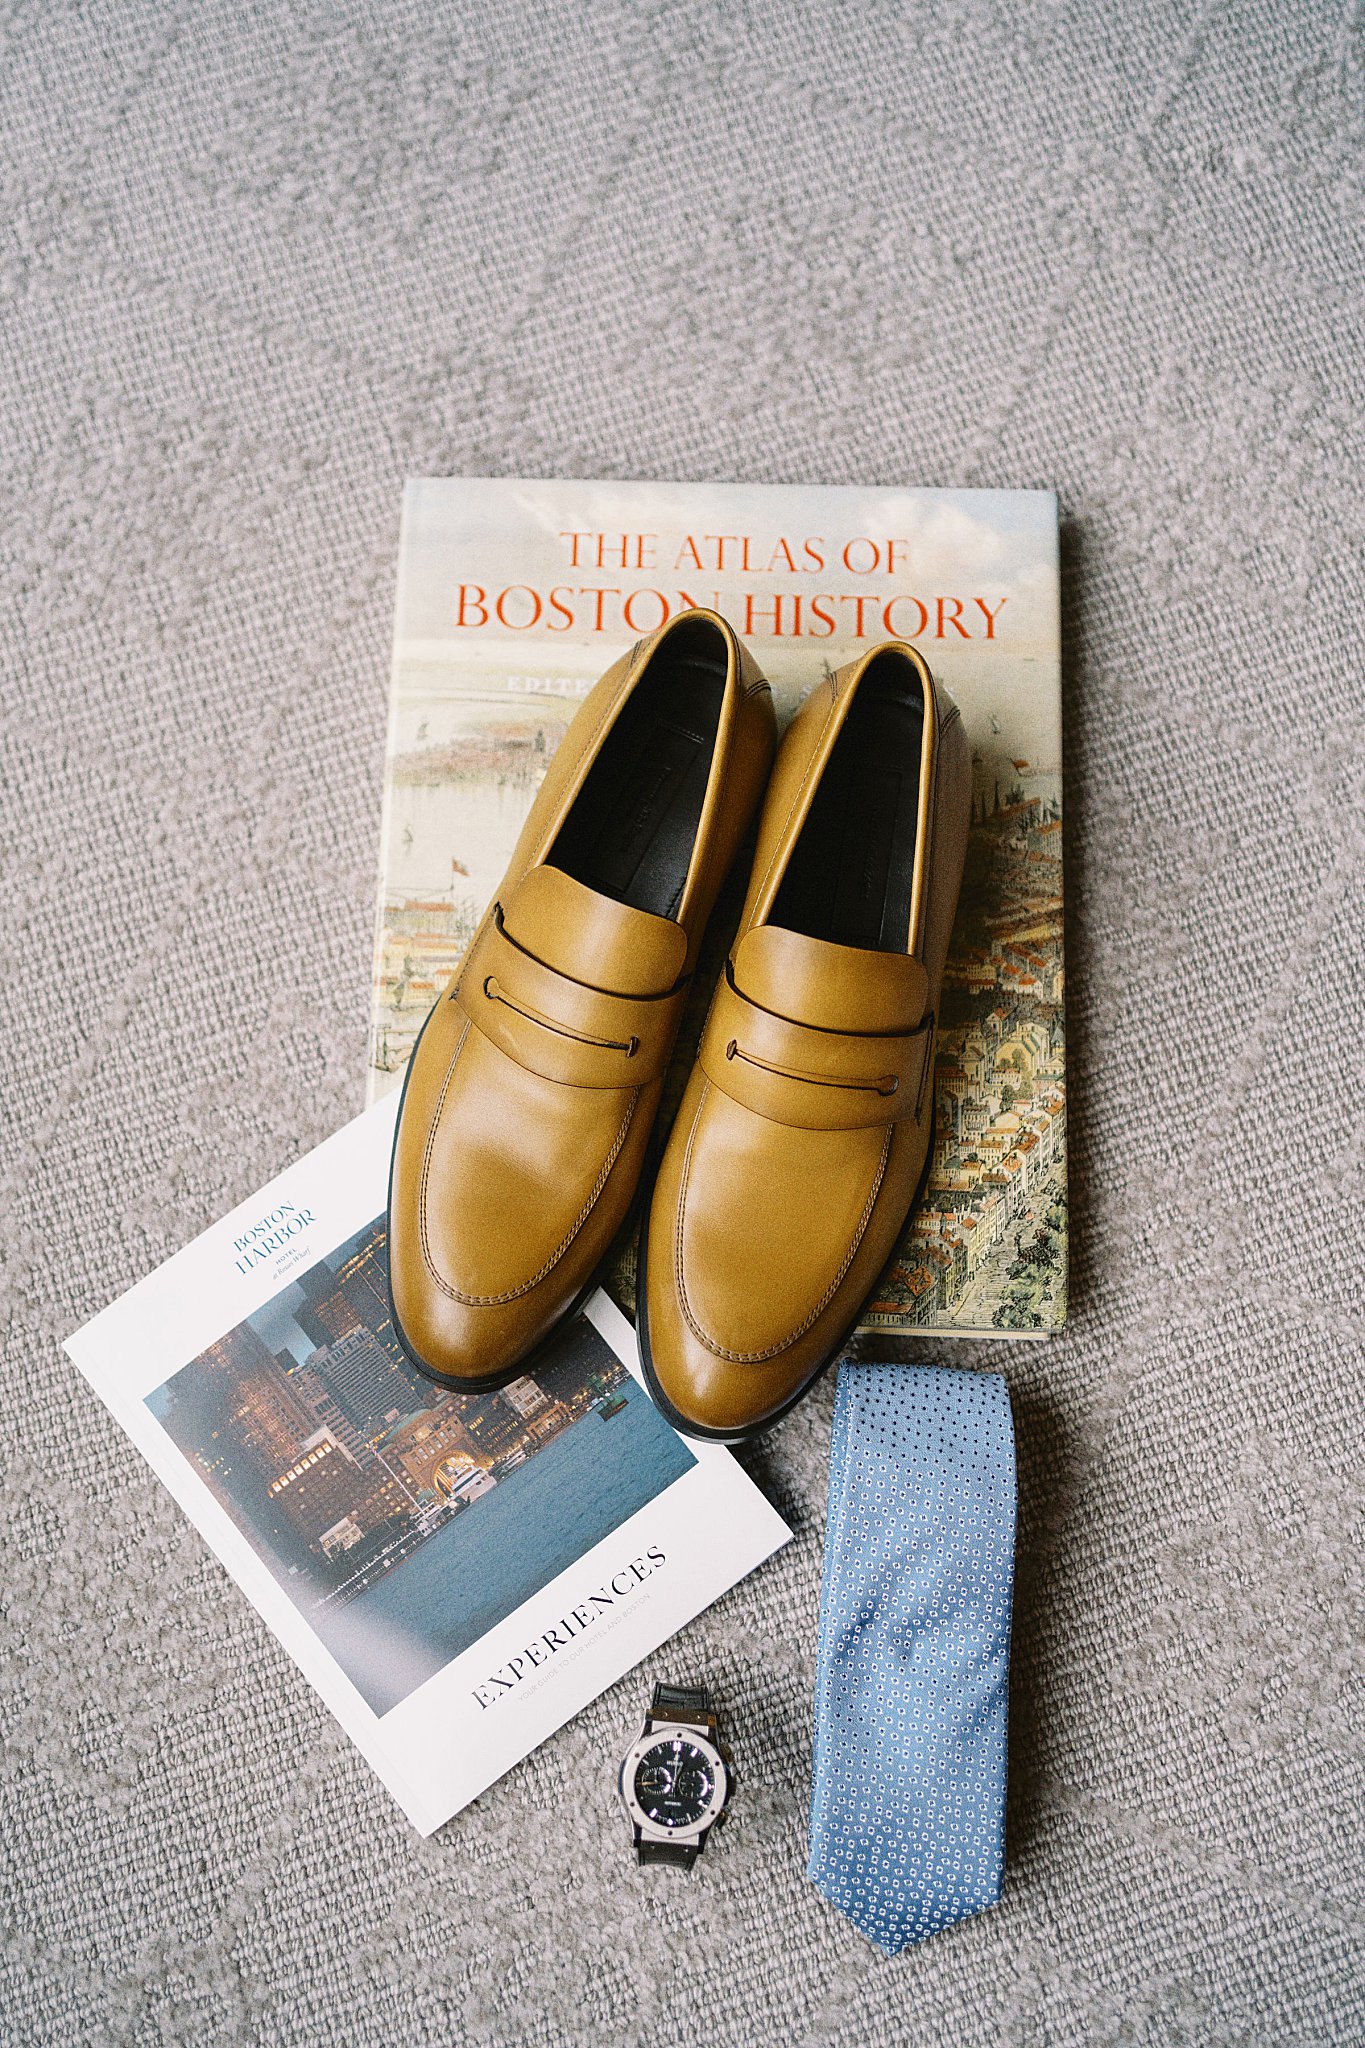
260,264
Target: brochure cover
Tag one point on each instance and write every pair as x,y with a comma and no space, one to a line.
456,1575
514,596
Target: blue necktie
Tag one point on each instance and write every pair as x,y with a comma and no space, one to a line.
907,1821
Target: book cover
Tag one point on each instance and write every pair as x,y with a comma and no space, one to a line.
456,1575
514,596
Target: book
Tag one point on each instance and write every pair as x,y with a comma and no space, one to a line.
513,597
456,1575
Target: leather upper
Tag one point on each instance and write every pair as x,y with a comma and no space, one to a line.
532,1091
806,1122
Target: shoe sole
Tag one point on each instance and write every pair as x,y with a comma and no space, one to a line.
742,1436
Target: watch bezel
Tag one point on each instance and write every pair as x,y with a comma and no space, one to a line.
650,1738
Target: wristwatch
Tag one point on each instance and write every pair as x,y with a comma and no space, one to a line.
676,1778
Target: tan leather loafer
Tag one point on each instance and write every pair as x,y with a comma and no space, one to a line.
804,1133
532,1091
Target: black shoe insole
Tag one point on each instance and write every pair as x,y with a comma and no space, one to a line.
851,873
633,825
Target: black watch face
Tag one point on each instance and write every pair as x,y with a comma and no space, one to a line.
674,1782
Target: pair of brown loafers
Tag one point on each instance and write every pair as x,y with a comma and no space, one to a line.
530,1103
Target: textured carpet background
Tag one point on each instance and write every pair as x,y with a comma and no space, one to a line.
259,265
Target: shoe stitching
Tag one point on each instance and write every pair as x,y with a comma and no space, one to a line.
785,1344
494,992
513,1293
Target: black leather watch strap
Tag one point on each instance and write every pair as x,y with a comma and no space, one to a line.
677,1853
681,1703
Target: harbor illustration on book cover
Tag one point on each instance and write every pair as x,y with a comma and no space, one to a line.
513,596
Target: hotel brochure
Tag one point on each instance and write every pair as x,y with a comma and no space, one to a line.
455,1575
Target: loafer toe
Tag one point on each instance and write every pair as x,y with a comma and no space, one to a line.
452,1342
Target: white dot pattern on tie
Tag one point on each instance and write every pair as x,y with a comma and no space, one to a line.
908,1799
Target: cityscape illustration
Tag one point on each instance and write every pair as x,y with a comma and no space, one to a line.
404,1521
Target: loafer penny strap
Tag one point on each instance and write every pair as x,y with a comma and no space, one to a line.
815,1080
559,1028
